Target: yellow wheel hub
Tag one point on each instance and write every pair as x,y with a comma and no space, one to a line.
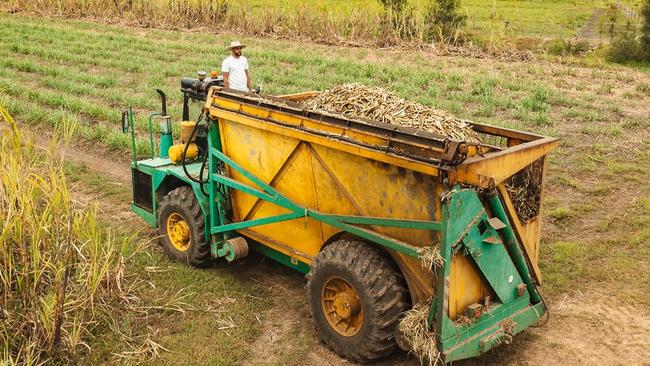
342,307
178,231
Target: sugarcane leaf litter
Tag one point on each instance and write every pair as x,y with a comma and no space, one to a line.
420,338
431,257
375,104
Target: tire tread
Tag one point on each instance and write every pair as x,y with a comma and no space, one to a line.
383,286
184,198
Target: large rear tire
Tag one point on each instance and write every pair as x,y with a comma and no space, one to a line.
182,228
356,297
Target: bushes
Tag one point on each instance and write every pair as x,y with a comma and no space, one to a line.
631,46
563,47
628,48
393,5
444,20
645,29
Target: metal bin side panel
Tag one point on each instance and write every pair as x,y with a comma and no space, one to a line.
333,181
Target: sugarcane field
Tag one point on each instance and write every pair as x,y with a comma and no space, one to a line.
326,182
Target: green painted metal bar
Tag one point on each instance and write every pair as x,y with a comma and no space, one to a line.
242,187
132,125
217,210
281,258
147,216
221,156
382,221
476,339
339,221
257,222
431,318
151,146
440,306
513,246
369,234
270,191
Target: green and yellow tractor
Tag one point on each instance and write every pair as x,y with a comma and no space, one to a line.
379,218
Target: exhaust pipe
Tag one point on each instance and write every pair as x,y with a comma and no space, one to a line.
163,98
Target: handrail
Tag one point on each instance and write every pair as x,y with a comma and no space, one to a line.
151,146
133,147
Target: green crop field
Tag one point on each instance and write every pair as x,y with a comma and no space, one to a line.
511,18
596,238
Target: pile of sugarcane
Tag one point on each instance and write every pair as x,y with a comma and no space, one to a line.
370,103
525,190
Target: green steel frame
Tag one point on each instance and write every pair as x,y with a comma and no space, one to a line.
465,228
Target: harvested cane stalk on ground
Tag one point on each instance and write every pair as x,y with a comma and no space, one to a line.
376,104
422,341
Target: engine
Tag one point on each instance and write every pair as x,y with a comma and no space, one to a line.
197,88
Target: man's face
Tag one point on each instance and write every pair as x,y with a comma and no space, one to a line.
236,51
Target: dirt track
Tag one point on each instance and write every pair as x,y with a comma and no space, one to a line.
589,31
588,328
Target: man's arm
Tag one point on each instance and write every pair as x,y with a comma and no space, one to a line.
225,70
249,81
226,83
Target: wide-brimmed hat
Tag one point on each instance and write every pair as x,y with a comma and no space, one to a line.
234,44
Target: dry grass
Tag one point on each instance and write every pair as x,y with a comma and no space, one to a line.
379,105
60,271
357,28
414,327
431,258
500,50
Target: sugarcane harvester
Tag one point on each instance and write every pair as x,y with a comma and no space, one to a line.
380,218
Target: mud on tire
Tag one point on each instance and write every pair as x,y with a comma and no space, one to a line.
182,201
382,293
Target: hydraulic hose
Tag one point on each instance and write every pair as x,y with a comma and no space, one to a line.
200,181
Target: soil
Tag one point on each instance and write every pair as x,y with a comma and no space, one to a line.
584,328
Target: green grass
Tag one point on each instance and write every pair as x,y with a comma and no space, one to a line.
555,19
560,213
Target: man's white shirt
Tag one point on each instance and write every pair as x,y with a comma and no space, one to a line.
236,69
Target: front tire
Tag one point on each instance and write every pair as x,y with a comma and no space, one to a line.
356,297
182,228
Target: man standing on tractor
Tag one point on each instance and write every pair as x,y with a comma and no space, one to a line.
235,69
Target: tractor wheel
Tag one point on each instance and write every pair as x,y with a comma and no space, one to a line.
356,297
182,228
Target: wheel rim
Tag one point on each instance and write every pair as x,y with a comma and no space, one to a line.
178,231
342,307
